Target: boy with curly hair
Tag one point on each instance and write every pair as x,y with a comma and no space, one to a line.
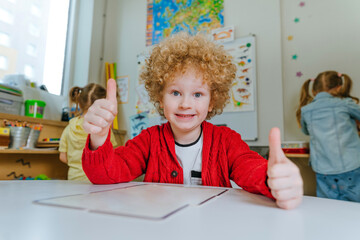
188,78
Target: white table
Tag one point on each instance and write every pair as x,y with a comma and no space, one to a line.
235,214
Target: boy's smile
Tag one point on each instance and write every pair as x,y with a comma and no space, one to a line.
186,103
185,115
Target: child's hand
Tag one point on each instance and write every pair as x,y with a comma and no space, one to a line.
284,177
100,116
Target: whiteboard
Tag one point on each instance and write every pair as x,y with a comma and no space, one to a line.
244,122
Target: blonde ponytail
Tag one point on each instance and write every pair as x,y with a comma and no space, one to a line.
305,98
74,95
346,88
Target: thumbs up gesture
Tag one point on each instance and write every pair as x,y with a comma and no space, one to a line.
100,116
284,177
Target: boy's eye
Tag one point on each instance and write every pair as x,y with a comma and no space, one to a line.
197,95
175,93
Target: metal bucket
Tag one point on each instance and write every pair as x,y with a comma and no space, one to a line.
33,138
18,136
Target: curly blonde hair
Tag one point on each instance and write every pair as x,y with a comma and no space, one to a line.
181,51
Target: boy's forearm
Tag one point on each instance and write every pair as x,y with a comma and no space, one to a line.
96,141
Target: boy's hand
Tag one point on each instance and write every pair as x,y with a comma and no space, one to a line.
100,116
284,177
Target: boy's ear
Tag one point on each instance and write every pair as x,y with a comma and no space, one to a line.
211,105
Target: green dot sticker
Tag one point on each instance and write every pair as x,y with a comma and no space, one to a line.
248,45
238,103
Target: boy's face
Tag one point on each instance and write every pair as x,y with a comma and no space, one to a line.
186,103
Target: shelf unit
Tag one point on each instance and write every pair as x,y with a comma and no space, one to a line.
51,128
28,151
297,155
18,163
15,163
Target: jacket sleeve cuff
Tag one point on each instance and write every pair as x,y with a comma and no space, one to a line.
94,162
107,144
268,190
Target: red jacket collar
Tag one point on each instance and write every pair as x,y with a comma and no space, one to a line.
207,129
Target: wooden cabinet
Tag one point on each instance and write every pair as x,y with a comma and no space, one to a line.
308,175
15,163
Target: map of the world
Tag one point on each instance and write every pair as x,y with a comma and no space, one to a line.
166,17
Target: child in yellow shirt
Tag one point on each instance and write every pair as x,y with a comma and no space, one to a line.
73,138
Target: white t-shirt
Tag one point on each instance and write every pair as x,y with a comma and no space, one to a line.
190,158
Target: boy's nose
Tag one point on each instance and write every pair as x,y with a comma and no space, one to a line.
185,102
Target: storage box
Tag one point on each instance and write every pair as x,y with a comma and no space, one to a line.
4,137
10,103
34,108
295,147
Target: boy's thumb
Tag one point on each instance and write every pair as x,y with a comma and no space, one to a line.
111,91
276,154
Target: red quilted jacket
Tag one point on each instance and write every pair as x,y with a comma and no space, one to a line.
224,156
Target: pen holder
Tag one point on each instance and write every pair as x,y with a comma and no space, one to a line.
33,138
18,136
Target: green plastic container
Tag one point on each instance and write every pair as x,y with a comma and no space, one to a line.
34,108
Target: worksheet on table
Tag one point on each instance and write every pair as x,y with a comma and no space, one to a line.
153,201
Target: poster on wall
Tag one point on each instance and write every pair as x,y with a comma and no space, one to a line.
138,122
223,35
143,103
166,17
122,83
243,88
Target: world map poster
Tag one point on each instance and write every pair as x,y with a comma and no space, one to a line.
166,17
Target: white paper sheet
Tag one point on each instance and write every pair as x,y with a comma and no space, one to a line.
151,201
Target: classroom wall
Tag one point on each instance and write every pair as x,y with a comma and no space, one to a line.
125,38
326,37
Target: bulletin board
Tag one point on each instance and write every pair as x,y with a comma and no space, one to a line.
241,112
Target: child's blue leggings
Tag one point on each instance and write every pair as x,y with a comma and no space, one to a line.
344,186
